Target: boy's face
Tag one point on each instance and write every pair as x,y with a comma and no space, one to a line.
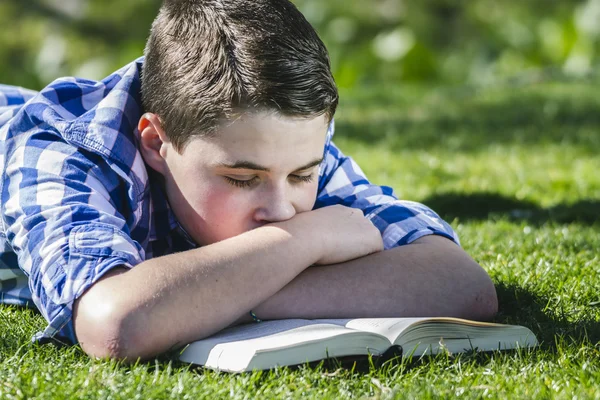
258,169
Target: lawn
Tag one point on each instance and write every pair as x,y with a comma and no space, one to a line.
514,168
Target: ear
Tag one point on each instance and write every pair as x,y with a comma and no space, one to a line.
153,142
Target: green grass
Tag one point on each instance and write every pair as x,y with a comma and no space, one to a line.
513,168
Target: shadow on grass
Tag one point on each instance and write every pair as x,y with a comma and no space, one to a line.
484,205
522,307
528,118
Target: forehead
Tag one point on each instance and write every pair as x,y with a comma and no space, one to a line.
267,139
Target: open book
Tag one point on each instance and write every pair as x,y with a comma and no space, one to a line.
296,341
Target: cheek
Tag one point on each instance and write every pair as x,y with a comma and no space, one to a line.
218,203
307,195
218,214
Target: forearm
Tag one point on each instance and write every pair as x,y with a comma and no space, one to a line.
431,277
173,300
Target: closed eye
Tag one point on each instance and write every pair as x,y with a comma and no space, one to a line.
302,178
242,183
253,181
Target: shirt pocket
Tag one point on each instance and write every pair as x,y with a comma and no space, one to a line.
104,240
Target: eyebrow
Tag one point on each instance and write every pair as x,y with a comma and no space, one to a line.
256,167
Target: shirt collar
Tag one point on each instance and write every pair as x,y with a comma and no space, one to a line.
162,219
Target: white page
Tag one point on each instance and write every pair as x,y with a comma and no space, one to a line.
254,330
246,340
391,328
459,334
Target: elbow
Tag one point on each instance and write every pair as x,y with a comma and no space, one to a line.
104,345
481,303
105,331
468,290
101,334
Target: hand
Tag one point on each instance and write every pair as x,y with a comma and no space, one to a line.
339,233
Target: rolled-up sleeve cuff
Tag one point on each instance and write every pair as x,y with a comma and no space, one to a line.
93,251
402,222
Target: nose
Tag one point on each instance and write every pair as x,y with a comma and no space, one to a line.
274,205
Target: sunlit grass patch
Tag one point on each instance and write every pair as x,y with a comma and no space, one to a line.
514,170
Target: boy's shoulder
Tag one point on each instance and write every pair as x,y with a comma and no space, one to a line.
97,116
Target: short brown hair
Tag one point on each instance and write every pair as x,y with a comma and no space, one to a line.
208,60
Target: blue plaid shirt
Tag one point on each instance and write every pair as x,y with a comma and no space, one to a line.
78,200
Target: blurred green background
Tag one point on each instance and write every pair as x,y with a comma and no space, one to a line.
370,41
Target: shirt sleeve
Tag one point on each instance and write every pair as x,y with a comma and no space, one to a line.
341,181
59,213
12,99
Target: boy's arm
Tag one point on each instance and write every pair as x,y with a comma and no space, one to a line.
172,300
430,277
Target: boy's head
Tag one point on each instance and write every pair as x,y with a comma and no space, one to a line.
238,97
209,61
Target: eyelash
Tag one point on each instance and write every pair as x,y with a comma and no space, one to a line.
249,183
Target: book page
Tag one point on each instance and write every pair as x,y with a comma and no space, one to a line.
433,327
428,335
234,348
390,328
248,332
254,330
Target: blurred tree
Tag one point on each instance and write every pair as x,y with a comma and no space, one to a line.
372,41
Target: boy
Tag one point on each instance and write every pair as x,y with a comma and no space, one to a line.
199,187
